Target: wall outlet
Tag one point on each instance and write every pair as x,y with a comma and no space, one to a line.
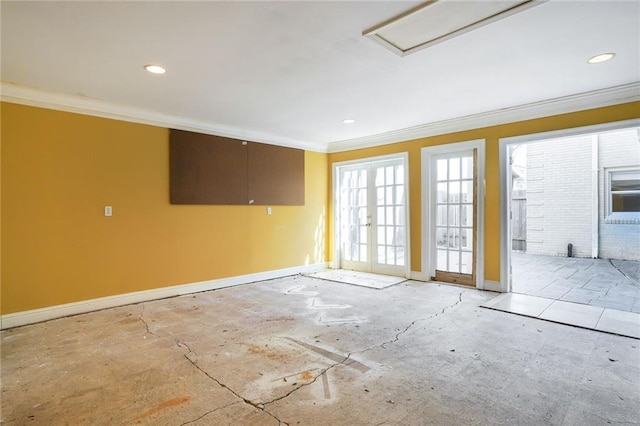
268,210
108,211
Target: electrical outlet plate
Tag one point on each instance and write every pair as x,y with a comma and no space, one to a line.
108,211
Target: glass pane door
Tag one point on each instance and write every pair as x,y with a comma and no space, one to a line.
390,217
373,231
355,218
454,215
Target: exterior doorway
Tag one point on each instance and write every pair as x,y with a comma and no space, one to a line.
453,211
572,221
371,199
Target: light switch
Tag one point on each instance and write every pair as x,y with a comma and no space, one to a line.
108,211
268,210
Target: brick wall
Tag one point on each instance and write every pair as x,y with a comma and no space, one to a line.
559,196
617,240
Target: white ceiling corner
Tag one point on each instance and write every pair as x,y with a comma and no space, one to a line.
288,73
13,93
596,99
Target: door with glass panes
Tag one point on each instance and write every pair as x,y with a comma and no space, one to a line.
372,217
453,207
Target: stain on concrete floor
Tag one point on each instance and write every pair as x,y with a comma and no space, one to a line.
421,353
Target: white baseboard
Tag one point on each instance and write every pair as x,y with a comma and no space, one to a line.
417,276
492,286
58,311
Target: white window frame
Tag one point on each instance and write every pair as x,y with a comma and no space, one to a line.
610,215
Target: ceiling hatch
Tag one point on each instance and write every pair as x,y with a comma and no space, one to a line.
439,20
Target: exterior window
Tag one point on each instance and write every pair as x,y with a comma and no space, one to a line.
624,192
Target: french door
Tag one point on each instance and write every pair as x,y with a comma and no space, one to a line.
372,216
453,204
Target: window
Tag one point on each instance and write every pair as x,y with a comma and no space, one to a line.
623,193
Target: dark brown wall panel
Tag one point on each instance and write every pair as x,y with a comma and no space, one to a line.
276,175
207,169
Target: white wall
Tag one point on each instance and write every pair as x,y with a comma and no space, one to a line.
617,240
559,196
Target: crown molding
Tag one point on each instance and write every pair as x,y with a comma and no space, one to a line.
23,95
14,93
582,101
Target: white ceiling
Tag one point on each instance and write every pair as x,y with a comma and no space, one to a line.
290,72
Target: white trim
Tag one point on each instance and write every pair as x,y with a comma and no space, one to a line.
426,220
573,131
404,156
595,204
17,94
51,312
582,101
504,155
416,276
23,95
492,286
609,215
505,180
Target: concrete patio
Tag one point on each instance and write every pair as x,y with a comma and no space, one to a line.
613,284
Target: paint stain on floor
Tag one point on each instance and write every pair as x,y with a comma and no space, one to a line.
265,351
167,404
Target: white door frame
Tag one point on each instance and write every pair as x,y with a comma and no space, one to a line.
505,182
404,156
427,219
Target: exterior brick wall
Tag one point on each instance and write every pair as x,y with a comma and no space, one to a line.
559,196
617,240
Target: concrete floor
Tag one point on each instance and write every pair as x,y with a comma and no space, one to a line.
611,284
305,351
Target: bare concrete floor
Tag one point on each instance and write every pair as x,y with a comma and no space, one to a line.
305,351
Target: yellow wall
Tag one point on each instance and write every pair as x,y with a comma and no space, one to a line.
59,170
492,197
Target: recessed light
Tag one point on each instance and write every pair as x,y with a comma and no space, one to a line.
348,121
155,69
601,58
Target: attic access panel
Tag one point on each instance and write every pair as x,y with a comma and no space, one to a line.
438,20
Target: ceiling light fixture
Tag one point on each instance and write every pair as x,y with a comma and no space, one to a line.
348,121
155,69
601,58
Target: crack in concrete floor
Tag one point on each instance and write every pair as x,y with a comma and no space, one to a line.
146,324
223,389
414,322
210,412
193,362
192,357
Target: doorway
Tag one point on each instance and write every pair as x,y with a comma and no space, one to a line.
453,210
372,215
571,209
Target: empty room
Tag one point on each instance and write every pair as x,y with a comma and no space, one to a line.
320,212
